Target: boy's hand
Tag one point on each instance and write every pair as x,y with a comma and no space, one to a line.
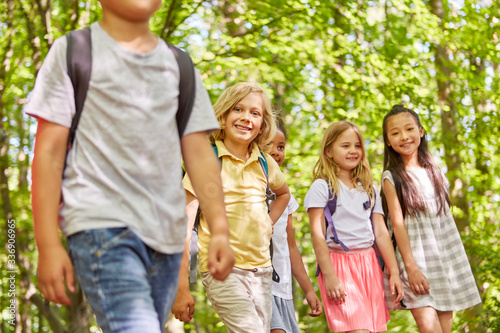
54,268
220,257
183,308
314,304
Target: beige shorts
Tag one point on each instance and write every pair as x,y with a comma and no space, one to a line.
243,301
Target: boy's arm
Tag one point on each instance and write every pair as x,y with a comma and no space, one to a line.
278,206
54,265
300,273
204,172
183,308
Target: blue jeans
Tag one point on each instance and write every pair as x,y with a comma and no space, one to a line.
129,286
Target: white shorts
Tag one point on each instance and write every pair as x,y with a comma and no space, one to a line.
243,300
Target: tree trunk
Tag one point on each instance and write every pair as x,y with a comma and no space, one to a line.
231,11
482,156
458,185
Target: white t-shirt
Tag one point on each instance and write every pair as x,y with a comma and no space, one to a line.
281,254
351,220
124,169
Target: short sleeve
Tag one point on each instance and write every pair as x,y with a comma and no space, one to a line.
317,196
276,177
292,205
387,175
52,97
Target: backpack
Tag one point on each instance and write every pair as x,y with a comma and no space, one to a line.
79,63
193,245
330,208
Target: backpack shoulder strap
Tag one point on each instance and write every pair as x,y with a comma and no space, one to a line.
331,204
331,207
263,162
270,195
216,151
187,87
79,63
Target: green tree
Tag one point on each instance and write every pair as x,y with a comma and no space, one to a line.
321,61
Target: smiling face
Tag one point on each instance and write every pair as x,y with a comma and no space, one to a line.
404,134
244,121
347,151
278,147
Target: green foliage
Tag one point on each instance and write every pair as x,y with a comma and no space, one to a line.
321,61
401,321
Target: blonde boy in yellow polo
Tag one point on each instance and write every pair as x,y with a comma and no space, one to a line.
249,223
243,301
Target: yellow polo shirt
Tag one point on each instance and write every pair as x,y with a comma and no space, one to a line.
250,227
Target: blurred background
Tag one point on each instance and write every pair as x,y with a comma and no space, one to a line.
320,61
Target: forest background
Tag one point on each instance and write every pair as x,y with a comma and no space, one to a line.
321,61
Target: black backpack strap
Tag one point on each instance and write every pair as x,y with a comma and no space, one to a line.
187,88
79,63
270,195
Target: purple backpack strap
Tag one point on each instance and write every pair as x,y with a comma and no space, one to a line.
330,208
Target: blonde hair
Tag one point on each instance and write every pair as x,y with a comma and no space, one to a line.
327,169
230,97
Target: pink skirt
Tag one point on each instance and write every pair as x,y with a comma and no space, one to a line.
364,307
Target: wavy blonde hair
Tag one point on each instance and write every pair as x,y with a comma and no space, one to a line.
327,169
230,97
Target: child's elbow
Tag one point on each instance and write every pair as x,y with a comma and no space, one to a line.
287,195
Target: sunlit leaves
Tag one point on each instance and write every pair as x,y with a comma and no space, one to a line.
321,61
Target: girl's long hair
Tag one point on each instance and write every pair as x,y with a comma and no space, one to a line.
407,191
230,97
327,169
